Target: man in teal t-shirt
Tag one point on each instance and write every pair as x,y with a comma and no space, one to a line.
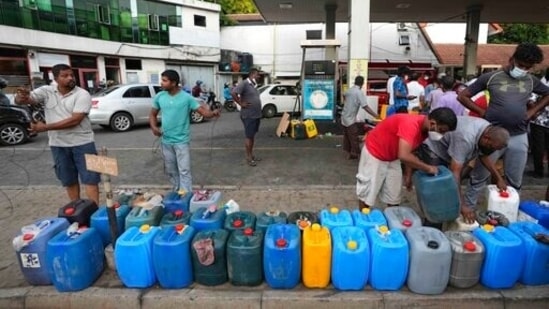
176,106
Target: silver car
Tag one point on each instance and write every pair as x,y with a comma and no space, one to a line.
121,107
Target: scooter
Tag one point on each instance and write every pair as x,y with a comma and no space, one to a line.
229,105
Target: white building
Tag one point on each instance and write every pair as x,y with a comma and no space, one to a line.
276,48
125,41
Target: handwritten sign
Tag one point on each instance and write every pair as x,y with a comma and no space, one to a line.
102,164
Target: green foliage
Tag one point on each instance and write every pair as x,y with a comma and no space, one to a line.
519,33
233,7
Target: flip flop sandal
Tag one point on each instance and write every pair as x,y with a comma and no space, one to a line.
257,159
492,217
543,238
252,163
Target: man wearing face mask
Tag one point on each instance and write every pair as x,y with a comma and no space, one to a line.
391,142
474,137
510,90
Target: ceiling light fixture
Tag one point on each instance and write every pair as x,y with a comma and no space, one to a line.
286,6
403,5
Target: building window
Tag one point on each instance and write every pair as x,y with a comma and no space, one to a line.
30,4
113,62
313,34
153,22
102,14
200,20
133,64
404,40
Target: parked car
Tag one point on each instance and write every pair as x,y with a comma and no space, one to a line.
14,125
121,107
277,99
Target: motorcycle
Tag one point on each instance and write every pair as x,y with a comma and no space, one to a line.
209,99
229,105
37,112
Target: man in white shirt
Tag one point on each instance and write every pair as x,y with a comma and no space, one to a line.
417,90
66,108
390,83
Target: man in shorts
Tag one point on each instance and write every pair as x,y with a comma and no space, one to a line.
247,96
391,142
66,108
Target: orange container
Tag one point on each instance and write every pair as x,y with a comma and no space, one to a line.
317,256
383,111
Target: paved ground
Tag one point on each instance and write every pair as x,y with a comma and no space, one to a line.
294,175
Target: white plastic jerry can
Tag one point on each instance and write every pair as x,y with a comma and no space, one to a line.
504,202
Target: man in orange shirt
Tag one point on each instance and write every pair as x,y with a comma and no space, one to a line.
391,142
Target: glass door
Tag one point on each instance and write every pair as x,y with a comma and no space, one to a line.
89,80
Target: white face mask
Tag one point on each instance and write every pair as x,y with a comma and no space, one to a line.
435,136
517,72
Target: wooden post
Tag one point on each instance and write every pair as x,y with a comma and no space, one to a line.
107,167
111,211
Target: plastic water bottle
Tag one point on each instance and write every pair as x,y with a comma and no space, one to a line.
209,210
75,230
231,206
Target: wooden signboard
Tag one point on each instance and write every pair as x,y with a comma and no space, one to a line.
283,125
102,164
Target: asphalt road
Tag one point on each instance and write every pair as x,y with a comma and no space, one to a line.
217,151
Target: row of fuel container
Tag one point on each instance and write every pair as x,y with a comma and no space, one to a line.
385,249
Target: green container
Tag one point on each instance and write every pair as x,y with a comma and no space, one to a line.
245,257
240,220
139,216
267,218
213,271
176,217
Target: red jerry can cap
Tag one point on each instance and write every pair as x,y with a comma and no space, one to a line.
179,227
69,211
281,243
27,237
248,231
504,194
238,223
407,222
470,246
178,213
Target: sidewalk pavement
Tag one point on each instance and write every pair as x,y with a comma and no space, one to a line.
300,175
26,204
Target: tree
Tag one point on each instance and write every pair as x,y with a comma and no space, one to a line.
233,7
519,33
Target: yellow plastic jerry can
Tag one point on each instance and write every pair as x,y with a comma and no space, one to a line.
317,256
310,128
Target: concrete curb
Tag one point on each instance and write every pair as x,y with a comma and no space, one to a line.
228,187
530,297
213,187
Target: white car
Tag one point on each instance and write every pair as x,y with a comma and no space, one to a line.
277,99
121,107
